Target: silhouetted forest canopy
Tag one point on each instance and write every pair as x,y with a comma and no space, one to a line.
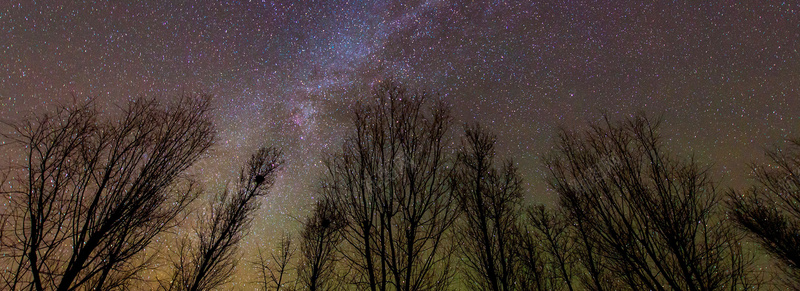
412,199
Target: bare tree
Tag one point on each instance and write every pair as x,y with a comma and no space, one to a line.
643,219
320,237
211,262
94,192
490,199
273,272
770,210
544,249
390,182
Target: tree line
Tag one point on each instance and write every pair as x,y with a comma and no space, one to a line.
407,202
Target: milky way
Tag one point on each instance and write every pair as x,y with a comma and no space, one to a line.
723,76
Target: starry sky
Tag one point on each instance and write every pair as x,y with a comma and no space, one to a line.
724,76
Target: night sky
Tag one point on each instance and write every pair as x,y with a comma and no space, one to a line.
723,77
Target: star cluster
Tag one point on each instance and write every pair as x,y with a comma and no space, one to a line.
724,76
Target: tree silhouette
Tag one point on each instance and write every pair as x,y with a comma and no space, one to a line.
770,210
273,272
490,200
94,192
390,182
643,219
211,262
544,248
320,237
